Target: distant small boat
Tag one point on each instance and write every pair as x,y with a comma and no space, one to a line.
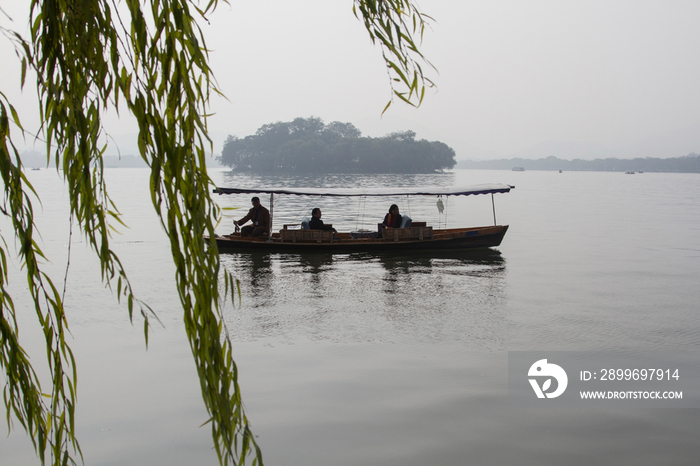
560,171
35,169
518,169
629,173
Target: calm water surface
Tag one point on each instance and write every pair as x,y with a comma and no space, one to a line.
394,359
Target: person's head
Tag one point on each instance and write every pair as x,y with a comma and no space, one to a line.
316,212
394,209
255,201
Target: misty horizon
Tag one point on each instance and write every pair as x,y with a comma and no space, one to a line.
568,79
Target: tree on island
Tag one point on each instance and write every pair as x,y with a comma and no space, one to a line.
307,145
151,61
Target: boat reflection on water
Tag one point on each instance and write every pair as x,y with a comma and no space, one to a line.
435,296
406,262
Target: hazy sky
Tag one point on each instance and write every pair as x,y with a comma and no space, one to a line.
536,78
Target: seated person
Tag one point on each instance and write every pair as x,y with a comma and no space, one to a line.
393,218
316,223
260,217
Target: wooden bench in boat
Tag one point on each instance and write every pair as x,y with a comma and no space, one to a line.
413,224
411,233
418,231
305,236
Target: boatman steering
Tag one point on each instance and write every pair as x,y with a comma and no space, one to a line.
260,217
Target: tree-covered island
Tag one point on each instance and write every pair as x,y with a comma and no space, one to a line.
307,145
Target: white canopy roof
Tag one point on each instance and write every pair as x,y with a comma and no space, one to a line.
415,191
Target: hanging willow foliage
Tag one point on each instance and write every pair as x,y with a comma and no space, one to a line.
148,58
393,24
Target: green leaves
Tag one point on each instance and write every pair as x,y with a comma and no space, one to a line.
165,82
161,75
49,418
152,62
394,24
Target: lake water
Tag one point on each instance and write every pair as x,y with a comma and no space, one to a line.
392,359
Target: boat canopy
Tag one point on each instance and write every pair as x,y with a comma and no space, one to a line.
415,191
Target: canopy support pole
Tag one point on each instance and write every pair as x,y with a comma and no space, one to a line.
272,210
493,206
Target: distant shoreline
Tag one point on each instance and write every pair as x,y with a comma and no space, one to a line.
688,164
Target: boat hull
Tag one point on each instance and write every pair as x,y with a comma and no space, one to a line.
459,238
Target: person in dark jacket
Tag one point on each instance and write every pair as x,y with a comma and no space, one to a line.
393,218
260,217
316,223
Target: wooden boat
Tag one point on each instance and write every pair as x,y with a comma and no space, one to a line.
417,236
